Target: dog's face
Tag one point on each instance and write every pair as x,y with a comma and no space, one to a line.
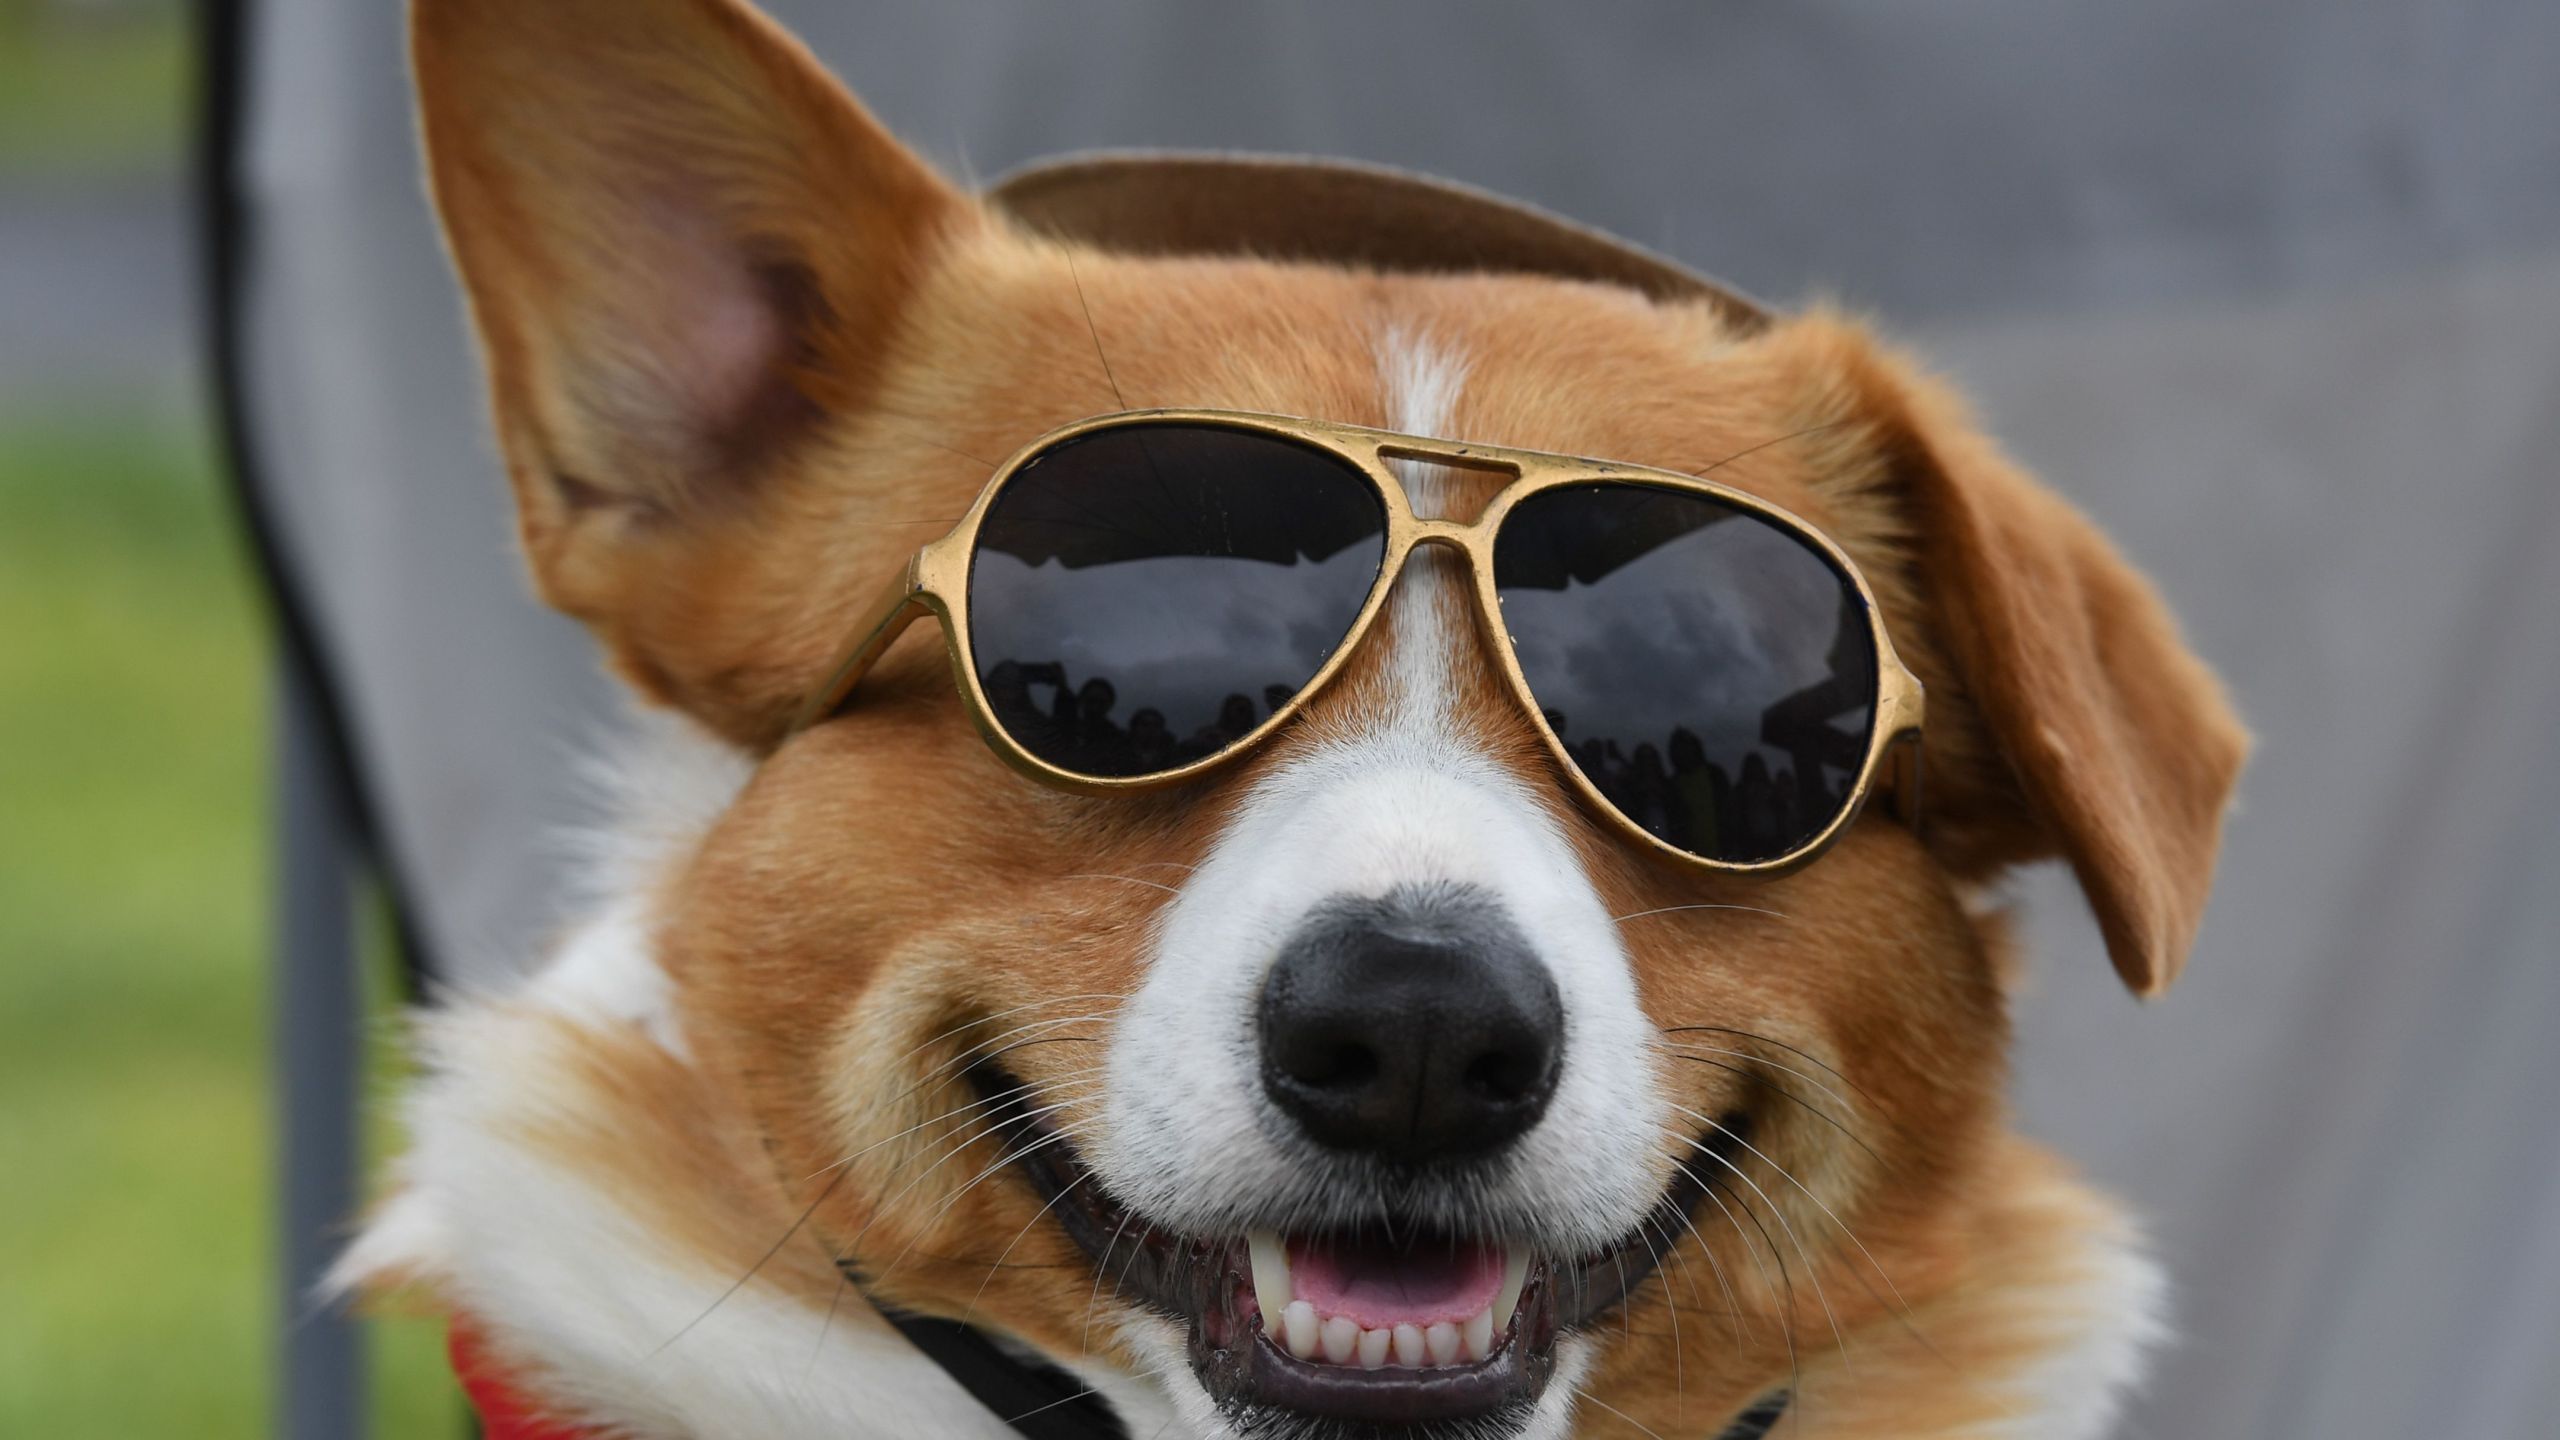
1076,1066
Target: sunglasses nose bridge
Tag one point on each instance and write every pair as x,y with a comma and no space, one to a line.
1458,535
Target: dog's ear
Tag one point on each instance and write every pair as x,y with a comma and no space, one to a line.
2088,727
684,245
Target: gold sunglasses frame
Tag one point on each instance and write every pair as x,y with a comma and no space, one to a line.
936,582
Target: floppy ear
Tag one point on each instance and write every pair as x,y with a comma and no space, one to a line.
2120,746
684,245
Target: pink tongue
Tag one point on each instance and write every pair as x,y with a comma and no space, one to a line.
1377,1285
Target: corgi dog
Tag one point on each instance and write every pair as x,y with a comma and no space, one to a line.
1277,804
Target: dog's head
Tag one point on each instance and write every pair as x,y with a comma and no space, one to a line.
1039,1058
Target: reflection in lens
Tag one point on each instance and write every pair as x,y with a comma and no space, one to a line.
1143,597
1710,673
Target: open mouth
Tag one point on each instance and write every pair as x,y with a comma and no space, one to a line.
1388,1324
1379,1328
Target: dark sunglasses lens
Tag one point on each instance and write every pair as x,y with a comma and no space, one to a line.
1142,597
1710,672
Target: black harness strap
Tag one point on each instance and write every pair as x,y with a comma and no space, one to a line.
1039,1400
1756,1422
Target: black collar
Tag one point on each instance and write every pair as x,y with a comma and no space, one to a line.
1039,1400
1043,1402
1756,1422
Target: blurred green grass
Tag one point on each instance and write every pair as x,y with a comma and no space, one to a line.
135,1141
137,1290
91,87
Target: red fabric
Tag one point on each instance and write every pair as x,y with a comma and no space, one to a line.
504,1414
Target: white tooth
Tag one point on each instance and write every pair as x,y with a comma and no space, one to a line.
1300,1321
1515,1274
1341,1340
1477,1334
1443,1341
1409,1348
1373,1349
1271,1288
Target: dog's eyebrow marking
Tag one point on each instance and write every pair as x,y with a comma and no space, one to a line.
1420,379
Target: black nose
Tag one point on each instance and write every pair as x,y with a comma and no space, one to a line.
1416,1026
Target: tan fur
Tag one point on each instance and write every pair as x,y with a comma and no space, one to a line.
883,883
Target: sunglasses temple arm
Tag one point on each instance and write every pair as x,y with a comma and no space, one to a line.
898,607
1903,777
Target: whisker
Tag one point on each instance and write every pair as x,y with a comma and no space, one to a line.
1675,909
1813,1270
1732,1302
1874,1109
953,1112
761,1261
1819,1204
1765,444
1093,330
1127,880
1787,1328
994,1167
1621,1414
1120,1277
970,1024
1016,1420
1619,1259
1825,1116
835,1297
996,1045
1671,1306
988,465
960,1063
1084,1343
1802,1054
1671,1248
955,1152
958,1110
1811,1080
935,1257
1775,1254
971,1309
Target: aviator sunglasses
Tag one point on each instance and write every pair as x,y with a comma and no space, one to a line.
1139,598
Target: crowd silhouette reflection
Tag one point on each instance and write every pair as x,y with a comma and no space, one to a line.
1769,799
1074,728
1752,811
1746,802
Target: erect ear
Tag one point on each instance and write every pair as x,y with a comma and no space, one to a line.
2120,747
684,245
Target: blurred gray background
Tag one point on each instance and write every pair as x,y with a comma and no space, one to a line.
2272,288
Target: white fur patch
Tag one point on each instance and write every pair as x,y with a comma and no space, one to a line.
658,785
2118,1309
560,1273
619,1326
1422,383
